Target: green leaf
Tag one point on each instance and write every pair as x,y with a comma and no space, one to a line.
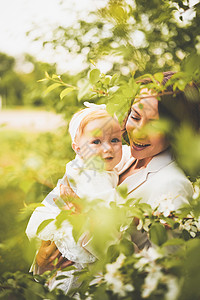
114,79
78,223
106,80
92,62
43,225
126,247
59,202
159,77
43,79
135,212
113,252
55,76
158,234
62,277
119,13
94,76
174,242
122,190
84,90
127,91
145,207
191,65
69,268
66,92
63,215
47,74
52,87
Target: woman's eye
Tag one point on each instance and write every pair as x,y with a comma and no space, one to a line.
96,142
115,140
135,117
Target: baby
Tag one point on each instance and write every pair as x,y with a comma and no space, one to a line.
96,139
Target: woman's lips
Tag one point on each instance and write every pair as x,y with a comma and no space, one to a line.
139,146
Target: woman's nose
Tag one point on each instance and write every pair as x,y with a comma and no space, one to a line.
140,131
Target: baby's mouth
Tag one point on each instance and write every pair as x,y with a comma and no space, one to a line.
108,158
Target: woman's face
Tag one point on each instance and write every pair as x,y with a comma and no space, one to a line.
145,143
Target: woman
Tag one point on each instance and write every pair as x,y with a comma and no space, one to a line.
150,172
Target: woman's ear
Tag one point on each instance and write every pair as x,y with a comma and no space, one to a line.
75,147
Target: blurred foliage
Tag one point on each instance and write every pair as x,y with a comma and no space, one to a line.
133,37
30,166
127,36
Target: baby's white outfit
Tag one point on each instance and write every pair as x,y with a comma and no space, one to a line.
87,182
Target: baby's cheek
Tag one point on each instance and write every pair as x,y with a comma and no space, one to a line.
92,151
119,152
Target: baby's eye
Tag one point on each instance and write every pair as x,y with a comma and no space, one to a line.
115,140
96,142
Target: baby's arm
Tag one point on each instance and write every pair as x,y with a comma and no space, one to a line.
51,207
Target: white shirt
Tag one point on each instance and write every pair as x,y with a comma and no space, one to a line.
160,179
160,183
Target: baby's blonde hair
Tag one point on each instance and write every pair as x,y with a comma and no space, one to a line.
98,114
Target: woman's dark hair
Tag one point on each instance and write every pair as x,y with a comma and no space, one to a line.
178,107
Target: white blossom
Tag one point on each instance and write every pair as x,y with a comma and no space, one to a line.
164,204
190,225
173,287
144,224
151,281
140,225
115,281
196,192
146,256
112,268
114,278
198,224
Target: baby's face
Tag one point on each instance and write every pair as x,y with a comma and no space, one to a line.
102,138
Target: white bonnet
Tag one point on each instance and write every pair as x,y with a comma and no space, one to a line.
79,116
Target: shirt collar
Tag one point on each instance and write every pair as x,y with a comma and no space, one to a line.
158,162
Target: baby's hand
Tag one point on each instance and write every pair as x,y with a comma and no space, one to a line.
65,192
68,195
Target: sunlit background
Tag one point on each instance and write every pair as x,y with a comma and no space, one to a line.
23,21
26,24
123,38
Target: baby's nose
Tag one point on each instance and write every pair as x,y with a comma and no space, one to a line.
107,147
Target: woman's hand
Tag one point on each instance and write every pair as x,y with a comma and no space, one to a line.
46,256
